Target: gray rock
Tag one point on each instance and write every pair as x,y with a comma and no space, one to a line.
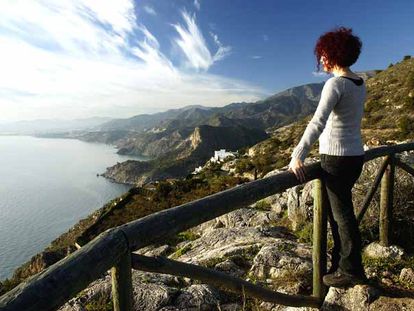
300,202
243,217
285,265
149,296
227,242
152,250
99,287
407,276
355,298
392,304
198,297
230,267
376,250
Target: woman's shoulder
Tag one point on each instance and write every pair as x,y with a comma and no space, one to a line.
334,83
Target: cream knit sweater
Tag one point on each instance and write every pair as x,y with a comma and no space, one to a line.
337,120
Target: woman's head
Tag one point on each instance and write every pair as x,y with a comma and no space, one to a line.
338,47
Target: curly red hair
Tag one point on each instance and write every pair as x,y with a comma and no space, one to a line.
339,46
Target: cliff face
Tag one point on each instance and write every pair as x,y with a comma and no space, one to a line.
189,151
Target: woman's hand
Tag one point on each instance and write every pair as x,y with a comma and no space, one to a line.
296,166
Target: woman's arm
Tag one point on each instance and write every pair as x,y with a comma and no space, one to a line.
330,95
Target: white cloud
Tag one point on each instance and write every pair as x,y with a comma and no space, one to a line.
149,10
197,4
75,59
222,51
256,57
194,46
319,74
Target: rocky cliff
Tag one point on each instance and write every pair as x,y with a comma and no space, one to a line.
269,244
186,150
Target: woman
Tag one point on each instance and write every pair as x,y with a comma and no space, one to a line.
337,123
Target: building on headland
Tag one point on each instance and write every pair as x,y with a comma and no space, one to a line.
221,155
197,170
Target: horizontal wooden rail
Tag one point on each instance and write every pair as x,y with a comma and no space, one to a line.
164,265
52,287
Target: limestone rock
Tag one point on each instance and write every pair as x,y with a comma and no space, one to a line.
286,266
151,297
376,250
355,298
243,217
198,297
407,276
392,304
152,250
230,268
99,287
228,242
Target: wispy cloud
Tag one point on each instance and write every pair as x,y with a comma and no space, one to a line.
197,4
265,38
81,58
193,45
256,57
150,10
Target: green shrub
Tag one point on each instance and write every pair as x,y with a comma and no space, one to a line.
409,82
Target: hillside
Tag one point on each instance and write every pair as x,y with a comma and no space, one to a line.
264,157
182,151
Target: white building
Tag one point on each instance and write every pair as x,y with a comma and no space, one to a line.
221,154
197,170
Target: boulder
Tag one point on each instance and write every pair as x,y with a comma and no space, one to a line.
377,251
355,298
407,276
198,297
285,266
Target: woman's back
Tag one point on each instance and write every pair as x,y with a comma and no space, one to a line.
342,134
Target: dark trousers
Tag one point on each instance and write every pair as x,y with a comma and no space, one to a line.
339,175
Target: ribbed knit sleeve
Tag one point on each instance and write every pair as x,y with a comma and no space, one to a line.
330,95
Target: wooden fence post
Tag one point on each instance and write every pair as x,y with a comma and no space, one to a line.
122,284
319,238
386,200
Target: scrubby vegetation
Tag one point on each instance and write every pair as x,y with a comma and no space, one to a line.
389,115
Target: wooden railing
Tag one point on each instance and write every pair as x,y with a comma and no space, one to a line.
112,249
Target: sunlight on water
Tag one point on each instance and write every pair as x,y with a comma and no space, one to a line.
46,186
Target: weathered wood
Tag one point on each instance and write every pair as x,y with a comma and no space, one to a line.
157,226
61,281
319,238
52,287
386,200
122,284
373,189
160,225
387,150
404,166
164,265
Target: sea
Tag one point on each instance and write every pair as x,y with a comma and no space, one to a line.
46,186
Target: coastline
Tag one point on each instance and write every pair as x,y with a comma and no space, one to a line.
61,179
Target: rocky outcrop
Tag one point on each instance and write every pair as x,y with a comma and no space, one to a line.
356,298
240,245
186,150
377,251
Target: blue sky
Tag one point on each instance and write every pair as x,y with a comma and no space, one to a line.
83,58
